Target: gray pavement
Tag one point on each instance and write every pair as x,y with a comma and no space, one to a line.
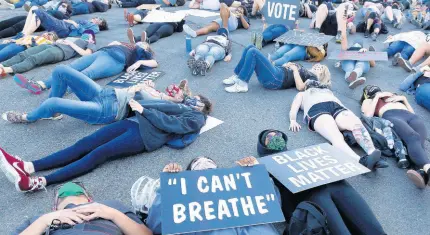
399,205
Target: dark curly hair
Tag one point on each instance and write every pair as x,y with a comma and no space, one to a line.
208,105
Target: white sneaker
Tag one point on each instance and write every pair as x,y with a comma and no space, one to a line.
357,82
236,88
188,30
231,80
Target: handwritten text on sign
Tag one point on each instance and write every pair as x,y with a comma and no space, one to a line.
312,166
131,79
217,199
355,55
284,12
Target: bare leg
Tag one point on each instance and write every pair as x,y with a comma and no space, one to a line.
31,23
212,27
341,17
137,18
224,12
308,11
389,13
257,6
347,120
321,15
369,23
419,53
326,126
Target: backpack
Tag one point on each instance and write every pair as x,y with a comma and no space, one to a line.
182,141
308,219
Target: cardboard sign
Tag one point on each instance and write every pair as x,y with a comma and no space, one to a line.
156,16
148,6
218,199
198,13
355,55
309,167
301,38
284,12
134,78
211,122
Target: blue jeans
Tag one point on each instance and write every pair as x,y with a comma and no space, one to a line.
9,50
117,140
360,67
288,53
95,66
80,9
273,31
422,95
33,3
408,83
271,77
404,48
95,106
210,52
49,23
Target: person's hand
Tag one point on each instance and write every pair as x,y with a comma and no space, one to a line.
172,168
133,67
383,94
135,106
396,98
66,216
64,42
227,58
192,53
294,126
248,161
96,210
362,50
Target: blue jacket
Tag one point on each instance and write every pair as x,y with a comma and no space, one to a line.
163,120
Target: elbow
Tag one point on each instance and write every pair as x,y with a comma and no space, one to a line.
301,87
368,114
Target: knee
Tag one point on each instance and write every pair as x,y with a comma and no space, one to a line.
51,102
59,71
413,137
223,7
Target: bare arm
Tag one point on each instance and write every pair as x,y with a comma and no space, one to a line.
295,106
300,85
149,63
368,107
244,22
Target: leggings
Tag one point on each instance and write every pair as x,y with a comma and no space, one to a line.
156,31
12,26
412,131
117,140
347,212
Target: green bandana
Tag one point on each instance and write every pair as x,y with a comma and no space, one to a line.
70,189
276,143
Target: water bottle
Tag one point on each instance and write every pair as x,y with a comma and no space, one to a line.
188,44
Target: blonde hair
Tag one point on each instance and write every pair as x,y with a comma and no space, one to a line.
323,74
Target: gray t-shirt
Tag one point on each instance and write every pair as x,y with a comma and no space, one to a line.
68,50
94,227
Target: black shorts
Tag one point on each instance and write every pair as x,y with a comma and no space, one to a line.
331,108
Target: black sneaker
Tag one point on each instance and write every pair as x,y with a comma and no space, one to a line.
419,178
381,164
405,64
370,161
395,60
366,34
402,162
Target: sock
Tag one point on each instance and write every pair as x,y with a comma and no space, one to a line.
28,167
42,84
426,168
363,138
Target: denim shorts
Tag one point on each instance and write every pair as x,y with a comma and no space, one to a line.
331,108
48,22
233,22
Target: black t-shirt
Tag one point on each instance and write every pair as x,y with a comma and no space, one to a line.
304,75
421,80
127,53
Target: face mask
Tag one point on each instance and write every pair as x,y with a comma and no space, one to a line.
191,101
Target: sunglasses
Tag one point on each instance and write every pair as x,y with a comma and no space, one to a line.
57,199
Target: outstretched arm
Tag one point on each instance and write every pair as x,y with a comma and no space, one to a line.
295,106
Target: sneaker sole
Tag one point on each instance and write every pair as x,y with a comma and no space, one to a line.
357,83
253,38
26,85
259,41
402,64
416,178
9,171
403,164
352,77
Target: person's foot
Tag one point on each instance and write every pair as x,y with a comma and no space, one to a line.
370,160
358,82
402,162
144,37
237,88
14,117
12,166
419,178
188,30
373,36
405,64
366,34
313,20
231,80
352,77
381,164
29,184
371,48
338,37
130,35
32,86
192,64
130,20
259,41
395,60
253,37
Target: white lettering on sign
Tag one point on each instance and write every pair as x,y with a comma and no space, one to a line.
277,10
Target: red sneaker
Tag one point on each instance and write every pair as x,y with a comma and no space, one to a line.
30,184
12,167
130,19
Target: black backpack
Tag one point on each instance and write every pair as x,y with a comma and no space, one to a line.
308,219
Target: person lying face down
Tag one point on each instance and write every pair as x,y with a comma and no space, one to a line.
155,122
75,212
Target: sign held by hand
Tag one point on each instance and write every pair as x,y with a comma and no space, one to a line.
284,12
